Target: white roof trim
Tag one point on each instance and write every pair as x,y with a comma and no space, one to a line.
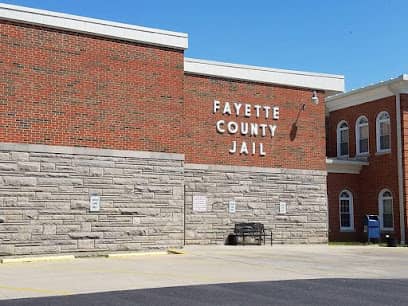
94,26
335,165
369,93
319,81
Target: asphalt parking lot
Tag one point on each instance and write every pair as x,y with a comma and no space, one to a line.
315,292
237,275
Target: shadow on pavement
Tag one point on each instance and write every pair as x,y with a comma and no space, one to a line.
293,292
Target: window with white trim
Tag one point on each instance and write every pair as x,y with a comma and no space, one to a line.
383,131
362,135
346,211
342,139
385,208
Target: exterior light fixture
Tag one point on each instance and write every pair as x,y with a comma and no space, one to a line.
315,98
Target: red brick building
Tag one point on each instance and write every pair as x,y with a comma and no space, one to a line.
366,149
112,140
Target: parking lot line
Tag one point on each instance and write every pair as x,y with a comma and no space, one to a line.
36,290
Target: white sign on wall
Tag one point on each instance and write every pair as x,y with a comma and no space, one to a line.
232,207
199,203
94,203
282,208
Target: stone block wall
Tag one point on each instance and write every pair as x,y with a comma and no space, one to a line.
257,193
45,198
45,194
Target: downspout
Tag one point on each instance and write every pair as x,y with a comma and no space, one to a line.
400,168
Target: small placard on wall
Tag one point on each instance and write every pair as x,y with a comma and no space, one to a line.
282,208
232,207
94,203
199,203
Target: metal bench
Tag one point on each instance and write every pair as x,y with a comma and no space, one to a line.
254,231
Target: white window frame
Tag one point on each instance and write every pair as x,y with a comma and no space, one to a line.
351,209
381,199
339,130
358,126
378,121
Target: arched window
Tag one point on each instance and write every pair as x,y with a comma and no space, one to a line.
346,211
383,131
385,208
342,139
362,135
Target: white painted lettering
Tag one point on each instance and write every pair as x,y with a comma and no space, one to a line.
275,115
227,108
233,147
237,107
272,128
254,129
263,128
244,148
216,106
261,150
266,108
219,125
257,109
244,128
232,127
247,110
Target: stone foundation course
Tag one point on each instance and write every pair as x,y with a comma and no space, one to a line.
146,201
45,200
257,193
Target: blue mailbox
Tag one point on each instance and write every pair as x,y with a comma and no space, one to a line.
372,227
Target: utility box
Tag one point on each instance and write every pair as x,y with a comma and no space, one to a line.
372,227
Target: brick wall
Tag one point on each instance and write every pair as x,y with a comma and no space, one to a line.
350,115
297,148
63,88
404,132
382,171
336,183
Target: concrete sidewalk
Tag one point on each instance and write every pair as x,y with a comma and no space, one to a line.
202,265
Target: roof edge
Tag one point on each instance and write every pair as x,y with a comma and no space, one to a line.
320,81
94,26
368,93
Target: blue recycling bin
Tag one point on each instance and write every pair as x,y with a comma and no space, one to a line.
372,227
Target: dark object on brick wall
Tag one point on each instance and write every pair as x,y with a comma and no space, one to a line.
293,132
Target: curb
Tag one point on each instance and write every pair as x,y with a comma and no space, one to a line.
37,259
71,257
175,251
118,255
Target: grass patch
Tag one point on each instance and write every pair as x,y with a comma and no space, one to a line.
334,243
381,244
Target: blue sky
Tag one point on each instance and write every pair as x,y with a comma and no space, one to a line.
365,40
